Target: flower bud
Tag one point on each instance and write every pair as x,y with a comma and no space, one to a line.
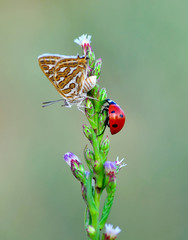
90,112
97,69
110,168
91,231
69,156
89,156
95,91
79,172
97,166
87,131
76,166
91,56
102,121
102,94
89,109
104,148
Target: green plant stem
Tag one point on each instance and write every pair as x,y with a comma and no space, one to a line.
97,197
98,175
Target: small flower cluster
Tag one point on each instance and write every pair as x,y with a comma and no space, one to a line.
102,173
112,168
85,42
111,233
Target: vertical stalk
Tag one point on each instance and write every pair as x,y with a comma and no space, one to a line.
97,173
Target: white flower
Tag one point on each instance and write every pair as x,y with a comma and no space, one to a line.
83,40
111,232
118,163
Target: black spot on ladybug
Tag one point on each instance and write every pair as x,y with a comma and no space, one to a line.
112,111
121,115
114,125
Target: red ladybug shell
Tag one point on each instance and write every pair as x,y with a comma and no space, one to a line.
116,118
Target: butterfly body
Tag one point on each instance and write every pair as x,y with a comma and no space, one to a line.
68,74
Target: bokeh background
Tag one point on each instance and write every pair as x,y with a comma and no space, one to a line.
144,46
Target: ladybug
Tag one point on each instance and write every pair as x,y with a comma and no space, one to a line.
115,117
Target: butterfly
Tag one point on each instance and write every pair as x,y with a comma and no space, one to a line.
68,74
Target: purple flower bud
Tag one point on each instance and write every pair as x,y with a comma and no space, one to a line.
76,166
97,69
87,131
110,168
69,156
89,156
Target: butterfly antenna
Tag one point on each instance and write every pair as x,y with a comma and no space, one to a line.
46,104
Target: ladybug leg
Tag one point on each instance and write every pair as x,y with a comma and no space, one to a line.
104,109
106,123
102,131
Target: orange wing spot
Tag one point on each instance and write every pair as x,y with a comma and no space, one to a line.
57,78
47,74
72,64
78,79
51,70
64,73
42,61
72,85
67,90
65,81
45,67
61,84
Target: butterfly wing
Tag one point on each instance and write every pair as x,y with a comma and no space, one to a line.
69,76
66,73
47,63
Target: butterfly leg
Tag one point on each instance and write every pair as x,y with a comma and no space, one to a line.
79,106
92,98
66,104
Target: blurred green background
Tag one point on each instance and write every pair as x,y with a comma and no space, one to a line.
144,46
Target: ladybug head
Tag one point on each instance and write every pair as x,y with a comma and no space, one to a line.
109,101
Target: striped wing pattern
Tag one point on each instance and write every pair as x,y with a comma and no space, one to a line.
66,73
70,75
